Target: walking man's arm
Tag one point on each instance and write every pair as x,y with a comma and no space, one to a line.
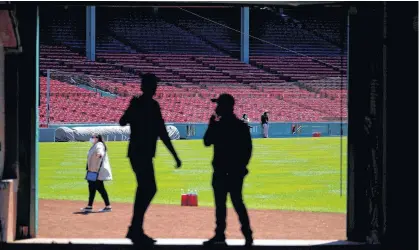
126,117
165,137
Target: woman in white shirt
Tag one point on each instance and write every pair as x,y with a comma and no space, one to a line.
246,120
98,171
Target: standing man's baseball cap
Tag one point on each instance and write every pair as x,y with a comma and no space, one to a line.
224,100
149,78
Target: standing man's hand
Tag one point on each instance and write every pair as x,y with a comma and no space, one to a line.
209,136
213,120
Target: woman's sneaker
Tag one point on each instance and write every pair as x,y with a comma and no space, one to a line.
106,209
87,209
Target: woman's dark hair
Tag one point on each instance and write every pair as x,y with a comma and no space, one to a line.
100,139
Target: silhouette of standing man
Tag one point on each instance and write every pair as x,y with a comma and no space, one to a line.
147,124
232,152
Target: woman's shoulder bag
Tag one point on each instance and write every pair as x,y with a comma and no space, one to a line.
92,176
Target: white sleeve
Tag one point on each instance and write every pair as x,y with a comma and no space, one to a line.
100,149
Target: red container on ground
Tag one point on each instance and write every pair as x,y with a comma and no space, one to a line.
184,200
316,134
193,200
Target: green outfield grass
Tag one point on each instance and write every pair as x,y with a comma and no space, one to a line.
300,174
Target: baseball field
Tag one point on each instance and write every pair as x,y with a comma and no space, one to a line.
292,191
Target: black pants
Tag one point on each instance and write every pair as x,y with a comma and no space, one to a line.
146,190
223,184
99,186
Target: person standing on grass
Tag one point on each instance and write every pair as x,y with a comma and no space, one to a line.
232,152
147,125
265,124
98,162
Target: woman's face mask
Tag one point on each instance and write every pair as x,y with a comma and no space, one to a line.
92,140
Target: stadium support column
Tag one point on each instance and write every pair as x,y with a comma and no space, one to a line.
244,35
27,67
2,111
383,76
91,32
366,89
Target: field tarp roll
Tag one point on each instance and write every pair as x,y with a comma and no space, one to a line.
110,133
173,132
64,134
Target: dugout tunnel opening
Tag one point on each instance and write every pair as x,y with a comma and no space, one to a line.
373,178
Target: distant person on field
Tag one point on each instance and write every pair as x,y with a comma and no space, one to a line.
232,152
265,124
98,162
246,120
147,125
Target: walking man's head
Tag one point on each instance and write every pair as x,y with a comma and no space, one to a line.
149,84
225,104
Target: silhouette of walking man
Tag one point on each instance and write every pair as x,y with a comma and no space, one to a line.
147,124
232,152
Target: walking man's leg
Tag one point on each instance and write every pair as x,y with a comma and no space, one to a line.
236,194
146,189
145,193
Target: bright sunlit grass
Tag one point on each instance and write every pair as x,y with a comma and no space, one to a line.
289,174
